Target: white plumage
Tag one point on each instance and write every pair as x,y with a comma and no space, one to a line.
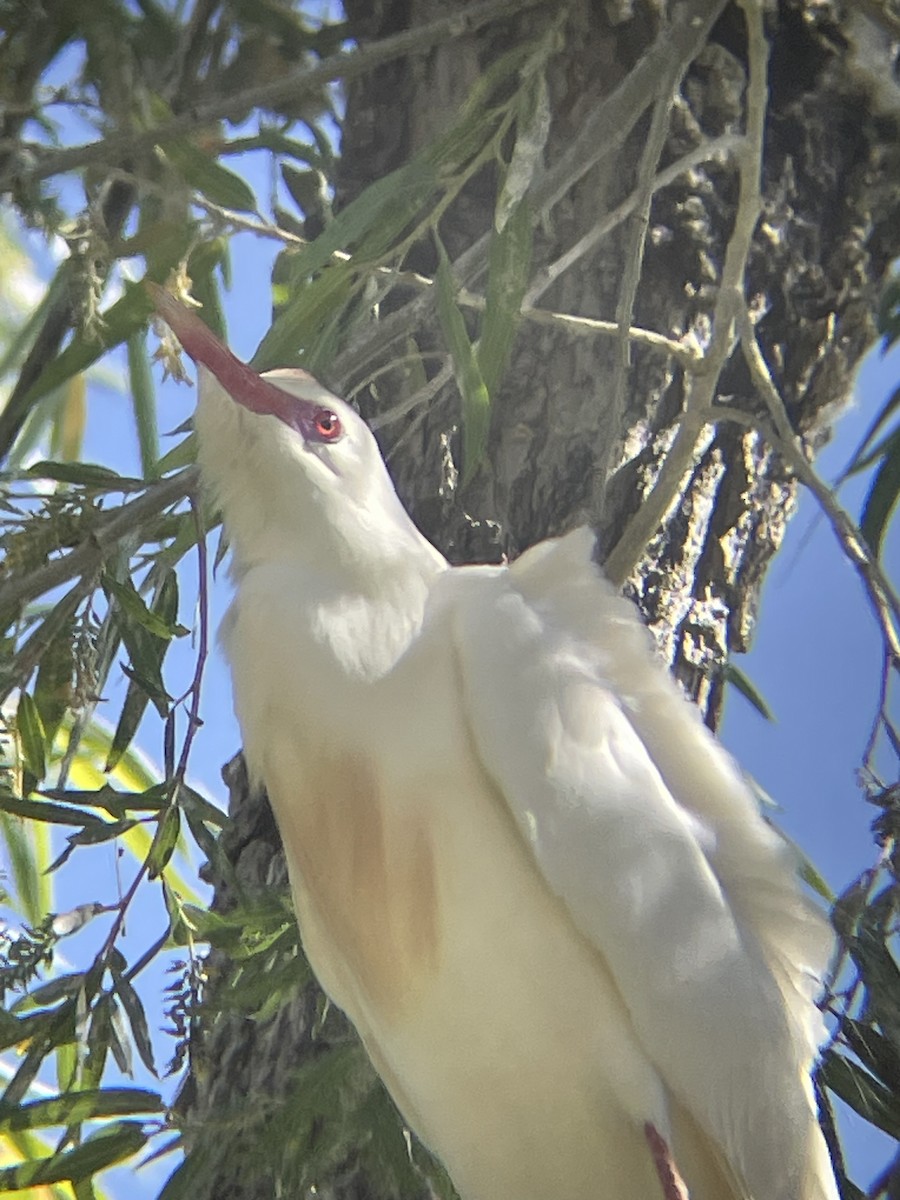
521,864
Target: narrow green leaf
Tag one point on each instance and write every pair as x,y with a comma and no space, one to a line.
866,453
476,402
164,841
146,652
31,735
143,399
46,810
137,1019
90,475
736,677
862,1092
73,1108
179,456
84,1189
21,857
509,264
881,501
811,876
889,314
53,686
115,802
90,835
119,1043
102,1149
194,802
209,177
133,605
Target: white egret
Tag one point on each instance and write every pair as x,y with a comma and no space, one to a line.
578,957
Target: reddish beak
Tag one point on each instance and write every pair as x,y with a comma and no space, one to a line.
240,381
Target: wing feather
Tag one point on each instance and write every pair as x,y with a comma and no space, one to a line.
643,825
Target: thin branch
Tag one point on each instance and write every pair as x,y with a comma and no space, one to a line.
90,554
882,597
701,390
193,716
382,334
346,66
606,128
633,255
716,148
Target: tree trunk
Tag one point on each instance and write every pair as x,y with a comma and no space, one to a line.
559,452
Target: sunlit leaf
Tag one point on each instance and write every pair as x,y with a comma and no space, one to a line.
143,399
31,736
100,1150
509,264
881,500
164,841
741,682
73,1108
476,401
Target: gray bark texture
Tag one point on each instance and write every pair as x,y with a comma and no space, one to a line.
828,230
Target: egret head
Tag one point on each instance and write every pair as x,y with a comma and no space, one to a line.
296,471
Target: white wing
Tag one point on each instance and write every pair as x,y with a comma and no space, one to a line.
641,823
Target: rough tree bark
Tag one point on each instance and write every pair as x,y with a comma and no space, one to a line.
827,233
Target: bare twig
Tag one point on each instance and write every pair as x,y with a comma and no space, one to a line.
633,251
701,389
346,65
380,335
716,148
882,597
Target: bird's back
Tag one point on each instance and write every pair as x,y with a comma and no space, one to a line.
494,1023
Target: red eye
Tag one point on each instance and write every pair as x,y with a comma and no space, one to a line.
328,425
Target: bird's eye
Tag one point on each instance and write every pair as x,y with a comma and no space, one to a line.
328,425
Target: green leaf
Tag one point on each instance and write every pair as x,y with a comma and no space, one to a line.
53,686
509,264
131,603
864,456
45,810
90,475
21,856
137,1019
476,401
31,735
736,677
116,803
862,1092
164,841
209,177
146,652
143,399
73,1108
881,500
889,314
179,456
102,1149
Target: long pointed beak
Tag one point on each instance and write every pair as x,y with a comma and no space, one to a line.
240,381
